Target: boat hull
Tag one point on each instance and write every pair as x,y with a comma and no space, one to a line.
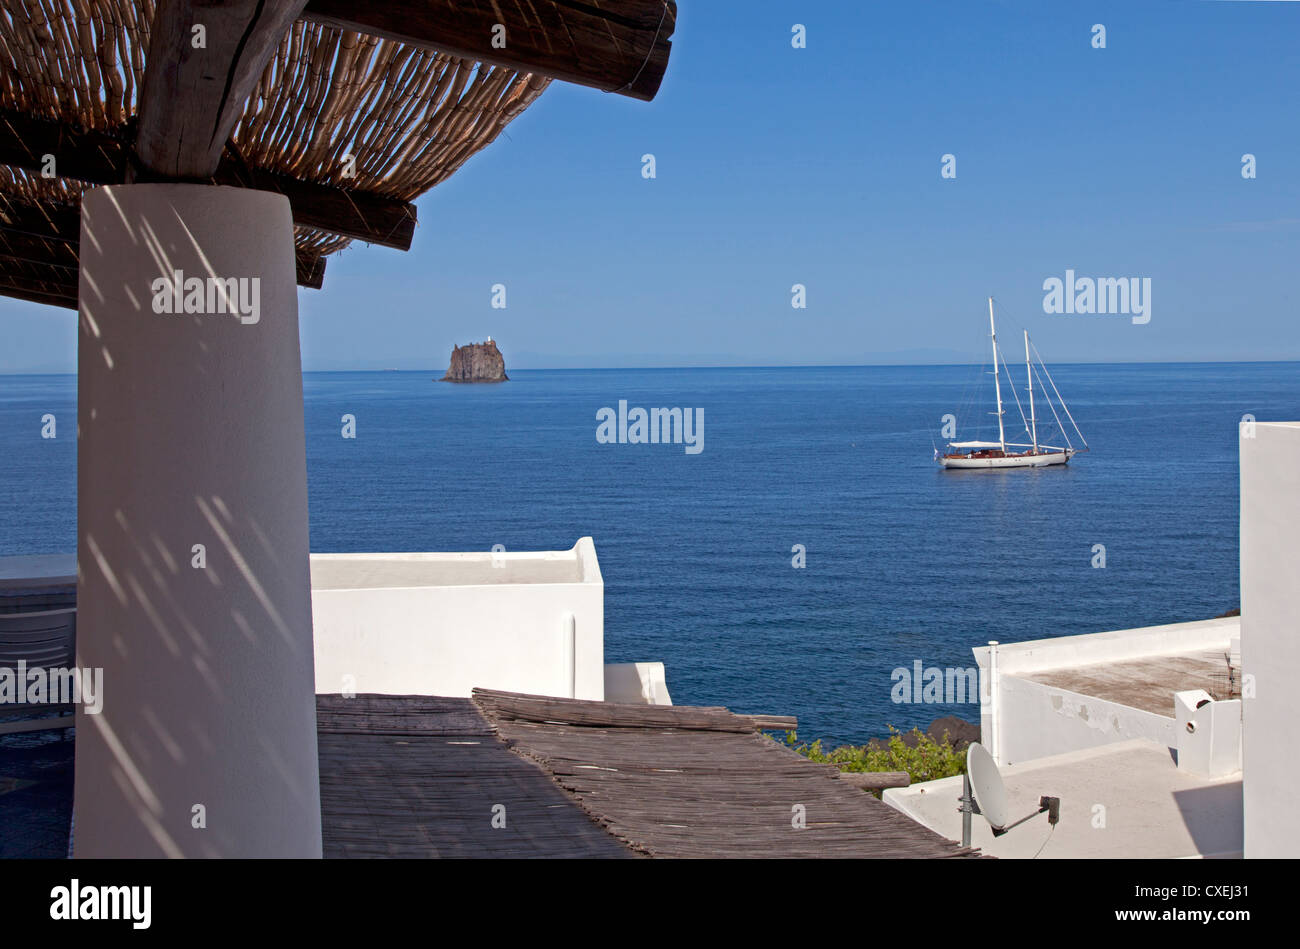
1042,459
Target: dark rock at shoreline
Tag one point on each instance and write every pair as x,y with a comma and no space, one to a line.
476,362
958,731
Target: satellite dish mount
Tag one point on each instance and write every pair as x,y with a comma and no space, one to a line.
984,793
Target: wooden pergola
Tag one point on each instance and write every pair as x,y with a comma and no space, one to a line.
349,108
166,166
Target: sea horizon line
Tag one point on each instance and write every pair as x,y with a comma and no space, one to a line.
889,365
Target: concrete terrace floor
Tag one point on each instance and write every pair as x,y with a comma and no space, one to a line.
1126,799
1148,684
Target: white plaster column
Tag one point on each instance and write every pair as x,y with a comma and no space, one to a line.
190,432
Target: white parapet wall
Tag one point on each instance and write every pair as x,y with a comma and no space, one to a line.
636,683
1208,733
1270,635
1038,720
445,623
1021,720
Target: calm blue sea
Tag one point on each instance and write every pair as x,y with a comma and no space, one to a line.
904,561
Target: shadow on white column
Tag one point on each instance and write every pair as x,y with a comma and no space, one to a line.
192,546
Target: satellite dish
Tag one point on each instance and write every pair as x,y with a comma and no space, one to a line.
986,784
984,793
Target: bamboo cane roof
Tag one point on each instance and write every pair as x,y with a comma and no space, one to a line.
420,776
424,776
365,120
409,117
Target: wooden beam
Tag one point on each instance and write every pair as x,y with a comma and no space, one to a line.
780,723
49,239
361,215
311,272
103,159
19,246
49,222
58,286
38,283
205,58
55,149
20,291
619,46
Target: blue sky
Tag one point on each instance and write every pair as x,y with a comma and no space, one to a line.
821,166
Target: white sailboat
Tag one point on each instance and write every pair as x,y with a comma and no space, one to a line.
1002,453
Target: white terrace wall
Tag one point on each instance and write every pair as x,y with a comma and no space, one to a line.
1270,635
1022,720
1040,720
445,623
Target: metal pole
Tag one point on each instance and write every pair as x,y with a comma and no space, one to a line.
966,809
997,384
1029,372
994,742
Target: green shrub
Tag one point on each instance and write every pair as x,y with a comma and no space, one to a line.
927,761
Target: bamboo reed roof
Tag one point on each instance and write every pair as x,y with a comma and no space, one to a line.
349,108
679,781
408,117
420,776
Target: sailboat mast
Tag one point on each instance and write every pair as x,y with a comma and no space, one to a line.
1029,373
997,385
